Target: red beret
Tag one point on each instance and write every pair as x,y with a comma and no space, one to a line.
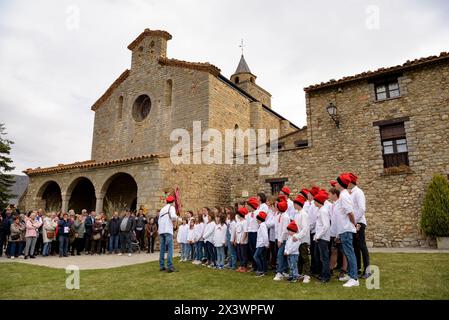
305,192
344,180
282,198
292,226
333,183
253,202
353,178
282,206
242,212
262,216
300,200
286,190
315,191
170,199
321,197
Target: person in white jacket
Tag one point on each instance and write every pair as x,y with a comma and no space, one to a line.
208,236
322,234
283,221
303,236
271,225
181,238
291,251
230,238
359,242
262,245
199,241
167,215
191,239
220,240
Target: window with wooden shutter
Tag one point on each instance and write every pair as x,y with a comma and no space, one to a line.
387,89
394,145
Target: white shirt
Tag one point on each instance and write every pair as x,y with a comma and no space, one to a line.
205,219
306,206
291,209
199,229
291,247
283,221
220,235
209,230
359,203
231,227
333,229
323,223
343,207
251,218
183,232
302,220
262,236
166,219
191,235
240,230
313,212
271,225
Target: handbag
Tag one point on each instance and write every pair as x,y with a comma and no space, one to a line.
15,237
50,235
96,236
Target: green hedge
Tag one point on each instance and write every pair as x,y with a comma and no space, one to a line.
435,211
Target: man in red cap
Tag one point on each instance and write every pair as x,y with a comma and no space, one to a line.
262,245
344,211
167,216
283,222
251,218
303,236
360,247
322,235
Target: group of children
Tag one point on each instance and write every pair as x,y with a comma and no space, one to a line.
310,235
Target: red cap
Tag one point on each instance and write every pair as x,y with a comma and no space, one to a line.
242,212
253,203
353,178
282,206
315,190
282,198
170,199
305,193
344,180
300,200
333,183
262,216
286,190
321,197
292,226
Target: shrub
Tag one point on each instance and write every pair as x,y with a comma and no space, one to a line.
435,211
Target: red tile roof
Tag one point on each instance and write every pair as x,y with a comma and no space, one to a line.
369,74
147,32
110,90
85,164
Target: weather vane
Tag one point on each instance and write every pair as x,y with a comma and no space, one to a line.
241,46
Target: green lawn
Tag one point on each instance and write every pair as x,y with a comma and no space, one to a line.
402,276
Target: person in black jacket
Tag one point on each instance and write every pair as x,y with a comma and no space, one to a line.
63,235
88,223
127,225
114,230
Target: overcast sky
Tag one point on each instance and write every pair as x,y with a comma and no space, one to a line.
58,57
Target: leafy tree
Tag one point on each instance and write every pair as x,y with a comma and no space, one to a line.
6,180
435,211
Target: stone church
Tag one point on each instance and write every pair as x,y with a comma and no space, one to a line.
389,126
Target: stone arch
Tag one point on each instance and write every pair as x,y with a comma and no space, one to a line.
120,192
81,195
49,196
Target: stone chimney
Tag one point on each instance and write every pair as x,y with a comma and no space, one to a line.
148,47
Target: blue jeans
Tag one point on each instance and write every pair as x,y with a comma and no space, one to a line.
166,241
323,252
46,250
260,258
252,240
63,245
211,253
282,265
199,250
232,255
204,250
220,256
15,249
185,251
293,265
113,243
348,250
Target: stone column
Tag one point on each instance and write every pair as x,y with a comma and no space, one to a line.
65,202
99,203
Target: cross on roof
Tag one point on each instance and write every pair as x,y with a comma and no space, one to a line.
241,46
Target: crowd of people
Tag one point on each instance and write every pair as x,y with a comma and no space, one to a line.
317,233
39,233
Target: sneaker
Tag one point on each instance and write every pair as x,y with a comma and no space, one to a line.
294,280
32,257
21,257
129,254
285,275
120,254
260,274
12,257
351,283
306,279
243,270
324,280
366,276
162,269
290,278
278,277
344,279
26,257
170,270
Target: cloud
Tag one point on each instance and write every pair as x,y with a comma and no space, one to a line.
58,57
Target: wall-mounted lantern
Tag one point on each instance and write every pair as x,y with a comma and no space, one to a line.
332,111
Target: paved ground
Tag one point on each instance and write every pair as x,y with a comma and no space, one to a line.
87,262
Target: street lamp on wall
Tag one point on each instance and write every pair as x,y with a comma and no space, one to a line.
332,111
